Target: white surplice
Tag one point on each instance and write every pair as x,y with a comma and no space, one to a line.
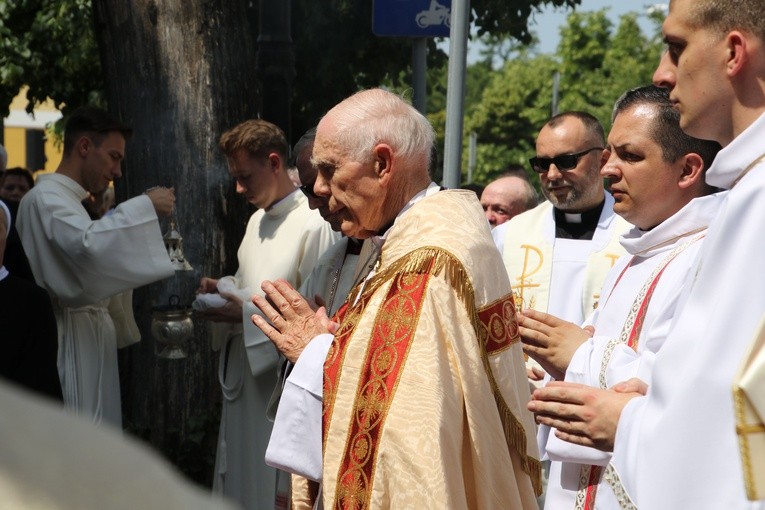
82,263
285,242
677,447
664,256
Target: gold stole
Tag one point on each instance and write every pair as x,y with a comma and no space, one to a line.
750,415
528,258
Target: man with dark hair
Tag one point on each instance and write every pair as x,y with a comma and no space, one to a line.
696,439
83,263
284,239
656,173
15,183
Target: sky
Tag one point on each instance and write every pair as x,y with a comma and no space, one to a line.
548,22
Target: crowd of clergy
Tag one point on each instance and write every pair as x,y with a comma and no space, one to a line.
388,343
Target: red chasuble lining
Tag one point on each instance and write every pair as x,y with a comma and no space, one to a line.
393,332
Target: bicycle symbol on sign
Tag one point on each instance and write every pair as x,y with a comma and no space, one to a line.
437,14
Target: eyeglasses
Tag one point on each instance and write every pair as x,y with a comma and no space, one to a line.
563,162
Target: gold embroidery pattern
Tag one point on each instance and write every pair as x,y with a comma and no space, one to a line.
434,261
386,355
348,318
523,281
499,328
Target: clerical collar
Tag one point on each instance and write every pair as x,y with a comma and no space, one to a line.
3,273
579,226
354,246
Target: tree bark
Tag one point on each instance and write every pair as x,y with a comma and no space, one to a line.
180,74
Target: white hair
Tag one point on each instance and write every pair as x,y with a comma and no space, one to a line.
375,116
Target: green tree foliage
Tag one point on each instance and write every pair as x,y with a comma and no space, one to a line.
49,46
596,62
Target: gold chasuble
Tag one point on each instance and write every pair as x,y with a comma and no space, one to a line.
425,389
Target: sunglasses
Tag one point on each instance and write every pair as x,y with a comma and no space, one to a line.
563,162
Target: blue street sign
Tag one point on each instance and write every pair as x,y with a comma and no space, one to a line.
411,18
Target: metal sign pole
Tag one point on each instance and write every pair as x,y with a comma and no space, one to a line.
455,93
419,67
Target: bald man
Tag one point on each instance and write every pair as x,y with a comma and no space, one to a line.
507,196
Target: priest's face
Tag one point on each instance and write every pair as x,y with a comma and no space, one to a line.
255,177
352,188
571,189
695,70
308,173
644,185
101,160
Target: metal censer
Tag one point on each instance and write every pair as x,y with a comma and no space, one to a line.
172,327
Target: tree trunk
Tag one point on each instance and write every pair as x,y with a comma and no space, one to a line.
180,74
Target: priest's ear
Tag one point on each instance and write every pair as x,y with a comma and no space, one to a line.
84,145
275,161
692,171
383,159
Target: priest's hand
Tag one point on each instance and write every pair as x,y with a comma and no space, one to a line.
293,322
208,286
550,340
582,414
163,200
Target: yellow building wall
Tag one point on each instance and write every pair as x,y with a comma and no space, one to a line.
15,134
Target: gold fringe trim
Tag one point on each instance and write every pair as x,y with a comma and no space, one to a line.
433,261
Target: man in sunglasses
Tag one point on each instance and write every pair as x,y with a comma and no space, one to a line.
557,254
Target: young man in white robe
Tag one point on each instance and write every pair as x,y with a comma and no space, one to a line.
284,239
656,174
684,445
82,262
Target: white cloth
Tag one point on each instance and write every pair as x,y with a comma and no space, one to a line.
303,391
227,284
51,460
284,241
677,447
648,252
82,263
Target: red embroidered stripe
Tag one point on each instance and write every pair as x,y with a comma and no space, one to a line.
386,354
347,317
499,327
